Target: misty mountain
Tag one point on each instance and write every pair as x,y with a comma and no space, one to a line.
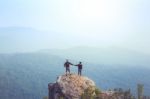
108,56
26,75
22,39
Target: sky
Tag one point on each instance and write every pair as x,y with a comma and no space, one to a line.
100,23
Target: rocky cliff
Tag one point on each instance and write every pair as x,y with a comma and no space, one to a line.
70,87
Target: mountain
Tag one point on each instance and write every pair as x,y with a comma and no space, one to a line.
107,56
23,39
26,75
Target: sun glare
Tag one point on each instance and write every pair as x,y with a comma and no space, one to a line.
101,9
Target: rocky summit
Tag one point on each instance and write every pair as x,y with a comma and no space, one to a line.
71,87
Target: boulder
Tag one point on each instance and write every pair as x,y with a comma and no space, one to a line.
71,87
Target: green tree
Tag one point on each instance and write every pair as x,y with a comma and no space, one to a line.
89,93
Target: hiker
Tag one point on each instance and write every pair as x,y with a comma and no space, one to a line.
67,65
79,68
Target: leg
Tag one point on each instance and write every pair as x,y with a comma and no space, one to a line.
66,70
69,70
80,71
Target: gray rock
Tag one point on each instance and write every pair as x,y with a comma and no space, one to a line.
70,87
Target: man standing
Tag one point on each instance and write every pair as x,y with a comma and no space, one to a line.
79,68
67,65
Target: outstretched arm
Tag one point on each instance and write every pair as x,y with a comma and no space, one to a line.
70,63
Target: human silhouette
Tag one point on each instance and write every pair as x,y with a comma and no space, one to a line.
67,65
79,68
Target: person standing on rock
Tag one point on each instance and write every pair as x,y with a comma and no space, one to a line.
67,65
79,68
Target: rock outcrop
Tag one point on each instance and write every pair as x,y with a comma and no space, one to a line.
70,87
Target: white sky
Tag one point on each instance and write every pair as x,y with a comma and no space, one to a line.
123,23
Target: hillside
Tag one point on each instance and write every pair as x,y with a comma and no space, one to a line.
107,56
26,75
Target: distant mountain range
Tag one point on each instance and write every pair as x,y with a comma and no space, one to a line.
21,39
26,75
107,56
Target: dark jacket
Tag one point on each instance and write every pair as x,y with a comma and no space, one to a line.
67,64
79,66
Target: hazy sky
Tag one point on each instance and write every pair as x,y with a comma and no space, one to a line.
123,23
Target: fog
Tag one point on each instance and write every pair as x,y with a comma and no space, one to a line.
31,25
